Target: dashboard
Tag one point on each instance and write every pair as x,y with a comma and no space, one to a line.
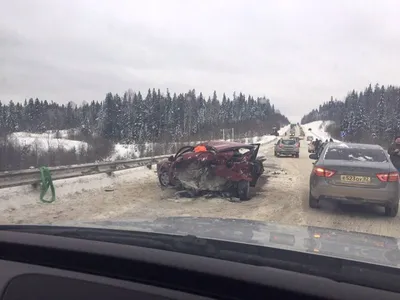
36,266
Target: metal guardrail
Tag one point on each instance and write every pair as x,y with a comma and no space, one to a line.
32,176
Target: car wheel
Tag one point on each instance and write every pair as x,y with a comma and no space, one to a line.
297,155
243,190
392,210
275,153
312,202
163,178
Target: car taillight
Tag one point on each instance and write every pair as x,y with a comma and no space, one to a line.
322,172
388,177
280,146
297,145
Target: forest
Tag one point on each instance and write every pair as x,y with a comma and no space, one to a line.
368,116
131,119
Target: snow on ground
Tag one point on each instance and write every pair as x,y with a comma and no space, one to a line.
45,141
14,198
318,130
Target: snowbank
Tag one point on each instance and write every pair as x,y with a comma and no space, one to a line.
318,130
45,141
14,198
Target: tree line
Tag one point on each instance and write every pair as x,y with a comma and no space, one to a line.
155,117
132,118
368,116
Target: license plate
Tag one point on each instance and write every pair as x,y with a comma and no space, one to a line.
356,179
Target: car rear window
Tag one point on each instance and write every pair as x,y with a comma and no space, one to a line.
356,154
288,142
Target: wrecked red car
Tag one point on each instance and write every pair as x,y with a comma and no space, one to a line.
215,166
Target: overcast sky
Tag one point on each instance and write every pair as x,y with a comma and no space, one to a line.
297,53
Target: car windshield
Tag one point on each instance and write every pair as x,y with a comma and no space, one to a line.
289,142
98,97
356,154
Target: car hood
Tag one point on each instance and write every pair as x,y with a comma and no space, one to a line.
321,241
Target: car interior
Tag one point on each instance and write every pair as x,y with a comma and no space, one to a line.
39,266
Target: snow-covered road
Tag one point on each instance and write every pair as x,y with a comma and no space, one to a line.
281,196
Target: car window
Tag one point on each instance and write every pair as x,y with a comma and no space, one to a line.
288,142
356,154
321,148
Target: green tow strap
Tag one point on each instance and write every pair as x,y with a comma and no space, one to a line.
46,182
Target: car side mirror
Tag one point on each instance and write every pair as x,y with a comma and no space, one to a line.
313,156
171,158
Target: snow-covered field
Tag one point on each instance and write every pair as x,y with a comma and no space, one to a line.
45,141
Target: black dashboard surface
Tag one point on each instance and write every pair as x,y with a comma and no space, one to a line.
44,267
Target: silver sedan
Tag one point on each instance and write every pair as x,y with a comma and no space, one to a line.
356,174
287,147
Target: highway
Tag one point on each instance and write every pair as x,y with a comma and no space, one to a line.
281,196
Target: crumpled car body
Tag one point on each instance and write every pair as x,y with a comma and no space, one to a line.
224,166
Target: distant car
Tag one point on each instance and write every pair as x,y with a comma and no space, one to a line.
356,174
287,147
220,166
310,138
